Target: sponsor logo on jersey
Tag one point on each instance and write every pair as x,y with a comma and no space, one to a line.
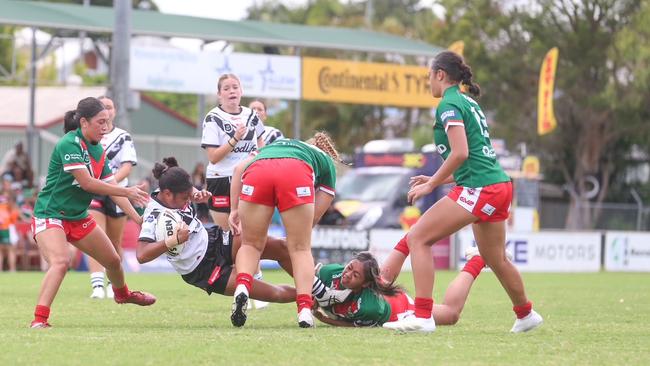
488,209
220,201
466,201
247,189
441,149
73,156
489,152
303,191
447,114
246,148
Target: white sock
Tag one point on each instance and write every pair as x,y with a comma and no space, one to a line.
97,279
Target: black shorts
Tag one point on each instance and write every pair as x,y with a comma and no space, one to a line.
107,206
213,273
220,189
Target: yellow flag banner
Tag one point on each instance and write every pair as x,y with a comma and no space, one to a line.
457,47
545,114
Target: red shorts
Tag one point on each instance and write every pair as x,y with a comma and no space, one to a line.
489,204
399,304
74,230
283,183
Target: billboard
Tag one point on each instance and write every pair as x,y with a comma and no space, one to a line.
545,251
180,71
332,80
627,251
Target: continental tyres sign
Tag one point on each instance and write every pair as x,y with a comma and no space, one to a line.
365,83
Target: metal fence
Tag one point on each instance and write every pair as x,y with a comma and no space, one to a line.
613,216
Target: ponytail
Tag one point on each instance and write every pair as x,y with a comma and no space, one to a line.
457,70
372,276
324,142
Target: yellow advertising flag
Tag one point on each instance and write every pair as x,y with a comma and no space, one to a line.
457,47
545,114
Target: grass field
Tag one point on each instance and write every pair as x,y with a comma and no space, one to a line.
590,319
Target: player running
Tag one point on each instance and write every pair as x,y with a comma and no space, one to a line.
482,196
77,170
121,158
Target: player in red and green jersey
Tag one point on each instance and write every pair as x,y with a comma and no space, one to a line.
77,170
376,300
298,178
482,196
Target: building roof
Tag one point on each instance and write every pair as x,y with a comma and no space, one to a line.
51,104
100,20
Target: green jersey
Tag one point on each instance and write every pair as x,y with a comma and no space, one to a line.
481,167
320,162
62,197
365,308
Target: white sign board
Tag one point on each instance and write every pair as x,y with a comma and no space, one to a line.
181,71
546,251
627,251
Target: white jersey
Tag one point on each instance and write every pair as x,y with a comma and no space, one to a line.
119,149
219,127
193,249
271,134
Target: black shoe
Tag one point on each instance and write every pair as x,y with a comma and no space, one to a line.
238,317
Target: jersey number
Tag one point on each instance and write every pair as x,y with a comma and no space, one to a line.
481,121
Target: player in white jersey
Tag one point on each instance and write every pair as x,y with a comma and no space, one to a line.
121,157
204,258
270,133
230,133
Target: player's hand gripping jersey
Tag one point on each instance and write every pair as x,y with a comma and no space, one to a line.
363,309
481,167
62,197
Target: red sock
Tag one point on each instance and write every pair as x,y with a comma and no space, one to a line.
402,246
41,313
523,310
304,301
474,266
121,292
423,307
246,280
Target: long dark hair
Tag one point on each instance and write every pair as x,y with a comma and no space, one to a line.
457,70
371,274
86,108
172,177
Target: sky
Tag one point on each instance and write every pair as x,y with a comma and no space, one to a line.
219,9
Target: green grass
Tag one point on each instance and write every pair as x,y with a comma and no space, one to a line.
590,319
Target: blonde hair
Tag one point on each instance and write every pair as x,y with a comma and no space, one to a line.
324,142
224,77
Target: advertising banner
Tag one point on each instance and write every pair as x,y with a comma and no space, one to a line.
627,251
337,245
545,114
546,251
181,71
331,80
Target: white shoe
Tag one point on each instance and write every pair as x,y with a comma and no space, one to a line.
259,304
109,292
305,318
529,322
411,323
98,292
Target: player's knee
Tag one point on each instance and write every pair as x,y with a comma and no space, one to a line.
60,264
454,317
113,263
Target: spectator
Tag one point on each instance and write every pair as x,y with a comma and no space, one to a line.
17,161
9,216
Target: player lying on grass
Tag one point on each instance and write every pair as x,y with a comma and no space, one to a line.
205,257
376,299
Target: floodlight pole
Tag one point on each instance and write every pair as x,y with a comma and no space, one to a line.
120,55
